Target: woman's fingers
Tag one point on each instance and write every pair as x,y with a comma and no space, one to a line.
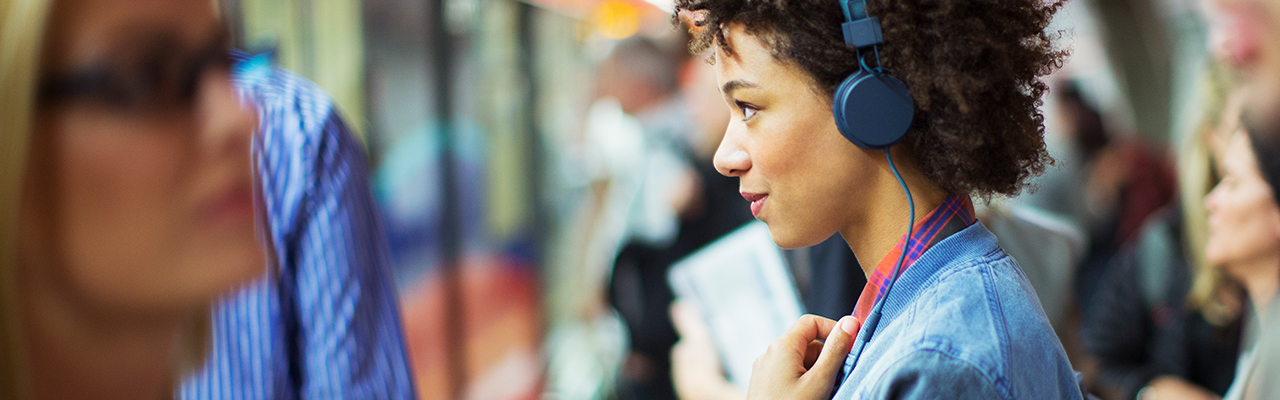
688,321
811,354
839,341
797,366
807,329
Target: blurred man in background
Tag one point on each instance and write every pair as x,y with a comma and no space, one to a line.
660,192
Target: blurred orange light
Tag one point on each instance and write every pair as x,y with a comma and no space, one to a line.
616,19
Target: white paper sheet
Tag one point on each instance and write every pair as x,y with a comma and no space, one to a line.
743,289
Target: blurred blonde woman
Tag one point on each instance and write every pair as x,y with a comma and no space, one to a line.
1165,324
126,194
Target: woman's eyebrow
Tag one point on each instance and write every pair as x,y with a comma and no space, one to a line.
167,38
731,86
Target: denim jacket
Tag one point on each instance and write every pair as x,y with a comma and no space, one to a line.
961,323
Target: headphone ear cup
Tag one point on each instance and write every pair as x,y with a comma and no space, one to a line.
873,110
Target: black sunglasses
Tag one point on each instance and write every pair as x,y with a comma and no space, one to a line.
159,79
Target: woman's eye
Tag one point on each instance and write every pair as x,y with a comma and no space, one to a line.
747,110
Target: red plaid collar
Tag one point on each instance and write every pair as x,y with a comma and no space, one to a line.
954,215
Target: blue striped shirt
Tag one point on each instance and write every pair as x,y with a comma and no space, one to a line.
325,324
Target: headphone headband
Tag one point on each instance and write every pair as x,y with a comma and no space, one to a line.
872,109
860,30
854,9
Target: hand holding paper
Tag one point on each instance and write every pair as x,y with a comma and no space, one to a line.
696,371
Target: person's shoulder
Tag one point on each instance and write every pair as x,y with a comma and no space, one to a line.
931,374
989,278
302,138
286,101
958,313
983,294
972,279
982,312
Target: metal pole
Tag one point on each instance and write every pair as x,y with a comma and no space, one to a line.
531,130
306,38
233,15
539,227
440,50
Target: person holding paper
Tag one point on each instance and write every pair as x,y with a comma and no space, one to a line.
853,116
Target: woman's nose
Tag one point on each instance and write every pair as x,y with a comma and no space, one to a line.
1213,199
731,158
226,122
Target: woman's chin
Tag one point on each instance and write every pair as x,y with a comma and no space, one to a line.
1225,262
792,239
1213,259
232,267
249,265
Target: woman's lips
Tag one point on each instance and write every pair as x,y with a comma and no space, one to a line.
757,202
234,203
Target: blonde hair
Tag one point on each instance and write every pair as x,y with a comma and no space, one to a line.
22,25
1196,177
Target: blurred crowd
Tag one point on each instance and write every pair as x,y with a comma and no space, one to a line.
181,219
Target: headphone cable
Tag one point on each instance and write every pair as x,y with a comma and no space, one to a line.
873,319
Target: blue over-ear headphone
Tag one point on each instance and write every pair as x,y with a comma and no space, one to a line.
872,108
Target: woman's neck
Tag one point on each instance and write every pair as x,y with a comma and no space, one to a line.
884,223
78,355
1260,278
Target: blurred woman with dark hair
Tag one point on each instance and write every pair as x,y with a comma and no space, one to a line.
1244,236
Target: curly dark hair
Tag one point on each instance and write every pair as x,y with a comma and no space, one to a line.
973,66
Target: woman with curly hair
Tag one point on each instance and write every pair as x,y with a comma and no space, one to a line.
952,316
